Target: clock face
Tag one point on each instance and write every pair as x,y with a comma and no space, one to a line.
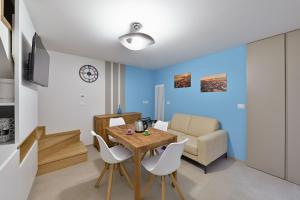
88,73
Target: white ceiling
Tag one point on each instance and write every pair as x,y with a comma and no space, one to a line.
183,29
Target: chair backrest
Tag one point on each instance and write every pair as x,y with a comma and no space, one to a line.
105,151
116,121
170,159
163,126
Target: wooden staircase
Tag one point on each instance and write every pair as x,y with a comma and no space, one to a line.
60,150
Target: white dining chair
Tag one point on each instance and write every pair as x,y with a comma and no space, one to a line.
113,158
163,126
163,165
115,122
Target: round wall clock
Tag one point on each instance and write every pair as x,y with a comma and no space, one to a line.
88,73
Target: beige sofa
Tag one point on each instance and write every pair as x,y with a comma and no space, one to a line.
206,141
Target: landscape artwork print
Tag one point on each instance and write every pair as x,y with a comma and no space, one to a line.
182,80
214,83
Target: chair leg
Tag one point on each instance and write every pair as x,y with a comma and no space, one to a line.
144,155
120,170
177,187
101,175
205,169
175,176
124,171
163,188
156,151
148,184
111,170
172,184
151,152
226,156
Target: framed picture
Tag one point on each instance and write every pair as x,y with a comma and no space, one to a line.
214,83
182,80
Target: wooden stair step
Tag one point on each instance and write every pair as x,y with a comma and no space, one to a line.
51,140
67,152
68,156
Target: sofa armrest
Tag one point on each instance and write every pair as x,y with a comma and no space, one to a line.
211,146
169,124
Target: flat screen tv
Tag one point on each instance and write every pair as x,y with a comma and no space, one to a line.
38,63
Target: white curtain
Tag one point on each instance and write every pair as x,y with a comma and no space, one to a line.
159,102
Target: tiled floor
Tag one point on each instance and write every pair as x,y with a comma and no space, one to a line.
226,180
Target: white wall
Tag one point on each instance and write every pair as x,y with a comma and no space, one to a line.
61,107
26,96
5,39
16,178
6,69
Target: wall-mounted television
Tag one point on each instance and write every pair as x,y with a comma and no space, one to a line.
38,63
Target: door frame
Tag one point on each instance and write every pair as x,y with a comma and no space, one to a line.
156,103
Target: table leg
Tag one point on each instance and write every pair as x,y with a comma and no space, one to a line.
137,174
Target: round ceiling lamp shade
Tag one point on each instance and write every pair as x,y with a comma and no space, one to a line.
135,40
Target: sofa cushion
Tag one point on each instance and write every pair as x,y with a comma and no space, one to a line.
191,146
180,122
199,126
175,132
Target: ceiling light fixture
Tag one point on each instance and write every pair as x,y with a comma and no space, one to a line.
136,40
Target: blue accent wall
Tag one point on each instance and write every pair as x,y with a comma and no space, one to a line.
139,87
219,105
222,105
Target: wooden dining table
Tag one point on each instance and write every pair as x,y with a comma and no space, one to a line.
139,144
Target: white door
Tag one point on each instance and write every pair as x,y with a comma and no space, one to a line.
159,102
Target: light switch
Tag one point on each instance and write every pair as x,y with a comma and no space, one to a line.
82,100
241,106
168,103
82,103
